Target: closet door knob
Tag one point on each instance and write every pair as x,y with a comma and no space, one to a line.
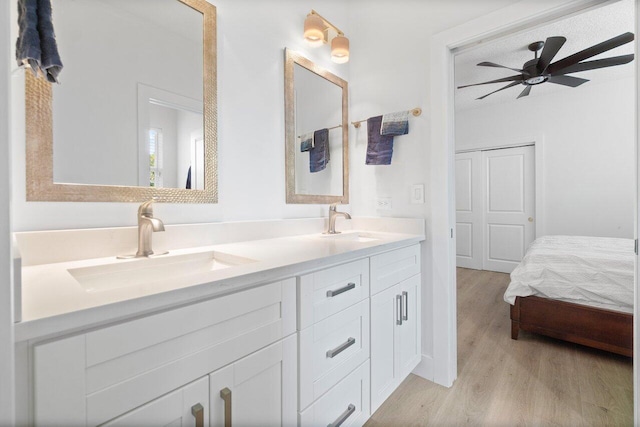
530,219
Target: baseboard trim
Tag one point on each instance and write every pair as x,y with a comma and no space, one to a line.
424,368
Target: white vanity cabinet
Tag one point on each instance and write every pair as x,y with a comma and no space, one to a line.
98,376
395,320
326,347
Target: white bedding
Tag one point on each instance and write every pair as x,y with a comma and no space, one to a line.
594,271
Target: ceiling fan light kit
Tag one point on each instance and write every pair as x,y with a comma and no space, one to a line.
540,69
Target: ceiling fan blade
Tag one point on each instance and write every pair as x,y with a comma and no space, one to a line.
598,63
502,88
493,64
504,79
567,80
551,48
525,92
590,51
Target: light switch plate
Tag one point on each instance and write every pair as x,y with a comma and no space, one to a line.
417,194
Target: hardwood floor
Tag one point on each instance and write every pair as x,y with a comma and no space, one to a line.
502,382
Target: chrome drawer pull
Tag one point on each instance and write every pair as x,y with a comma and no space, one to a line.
198,412
343,417
399,307
341,290
225,394
405,314
339,349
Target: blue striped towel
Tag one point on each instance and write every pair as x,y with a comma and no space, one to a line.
395,123
306,143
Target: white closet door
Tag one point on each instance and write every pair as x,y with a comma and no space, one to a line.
509,197
469,210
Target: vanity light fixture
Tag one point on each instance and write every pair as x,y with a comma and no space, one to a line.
318,31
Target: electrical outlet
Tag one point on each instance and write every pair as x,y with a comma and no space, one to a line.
417,194
383,203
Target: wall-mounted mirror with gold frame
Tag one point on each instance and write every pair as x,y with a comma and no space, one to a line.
316,126
135,115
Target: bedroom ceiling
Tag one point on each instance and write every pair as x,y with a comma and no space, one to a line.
582,31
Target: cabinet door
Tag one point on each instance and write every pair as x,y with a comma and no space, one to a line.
260,389
185,407
409,342
385,313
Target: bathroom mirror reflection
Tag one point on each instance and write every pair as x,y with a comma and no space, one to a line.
316,127
134,115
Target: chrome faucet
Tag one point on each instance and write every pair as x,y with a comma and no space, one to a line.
333,213
147,225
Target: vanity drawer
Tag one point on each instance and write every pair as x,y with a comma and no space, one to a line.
329,291
348,401
332,348
391,268
107,372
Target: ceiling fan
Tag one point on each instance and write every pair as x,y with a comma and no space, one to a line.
540,69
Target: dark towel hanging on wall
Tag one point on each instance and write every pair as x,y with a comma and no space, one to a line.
379,147
36,44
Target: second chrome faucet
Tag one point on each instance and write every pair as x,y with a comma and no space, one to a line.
333,214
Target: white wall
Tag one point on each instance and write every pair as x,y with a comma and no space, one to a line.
252,35
588,161
390,49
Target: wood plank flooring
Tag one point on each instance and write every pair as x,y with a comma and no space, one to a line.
534,381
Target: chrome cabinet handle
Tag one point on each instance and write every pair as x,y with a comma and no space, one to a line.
343,417
399,307
350,286
198,412
225,394
405,313
339,349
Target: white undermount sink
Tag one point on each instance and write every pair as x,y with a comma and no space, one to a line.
352,237
147,271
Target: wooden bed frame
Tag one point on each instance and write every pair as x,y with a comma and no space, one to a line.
594,327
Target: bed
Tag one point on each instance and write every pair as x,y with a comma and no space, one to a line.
578,289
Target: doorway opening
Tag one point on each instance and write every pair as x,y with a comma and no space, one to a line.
512,19
620,225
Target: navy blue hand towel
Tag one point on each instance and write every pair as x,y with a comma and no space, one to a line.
188,186
319,154
36,44
379,147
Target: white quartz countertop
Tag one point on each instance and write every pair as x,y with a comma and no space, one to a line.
55,301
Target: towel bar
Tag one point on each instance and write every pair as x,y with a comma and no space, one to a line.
415,111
